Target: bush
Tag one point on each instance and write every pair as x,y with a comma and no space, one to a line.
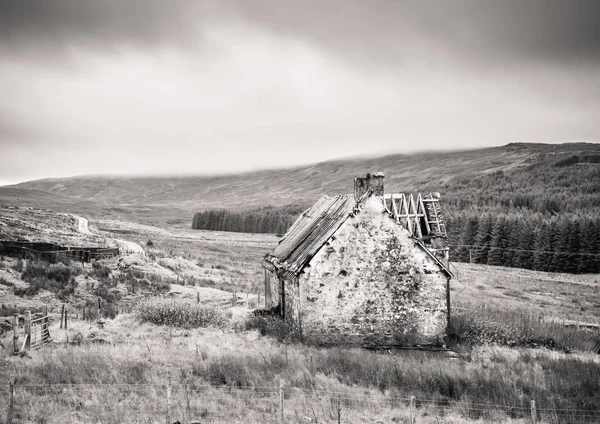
180,314
135,279
274,326
100,271
18,266
57,278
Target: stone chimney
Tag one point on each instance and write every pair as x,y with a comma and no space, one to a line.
371,181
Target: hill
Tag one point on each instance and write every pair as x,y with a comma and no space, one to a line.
426,171
534,206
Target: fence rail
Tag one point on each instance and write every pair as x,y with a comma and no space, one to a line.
52,252
187,403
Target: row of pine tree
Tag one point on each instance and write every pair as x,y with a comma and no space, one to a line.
554,244
263,220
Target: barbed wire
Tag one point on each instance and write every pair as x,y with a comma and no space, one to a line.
319,394
553,252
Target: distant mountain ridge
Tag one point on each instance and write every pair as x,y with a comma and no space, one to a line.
301,185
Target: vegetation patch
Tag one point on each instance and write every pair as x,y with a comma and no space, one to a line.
57,278
180,314
274,326
515,328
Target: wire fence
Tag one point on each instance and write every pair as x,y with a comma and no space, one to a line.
192,403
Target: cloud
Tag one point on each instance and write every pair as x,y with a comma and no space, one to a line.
390,31
213,86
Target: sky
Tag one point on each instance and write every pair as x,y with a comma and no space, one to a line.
182,87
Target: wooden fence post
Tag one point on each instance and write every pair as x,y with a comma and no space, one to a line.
168,421
66,315
412,410
62,315
197,297
11,400
28,329
16,333
533,412
281,393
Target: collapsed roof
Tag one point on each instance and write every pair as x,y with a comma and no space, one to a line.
420,215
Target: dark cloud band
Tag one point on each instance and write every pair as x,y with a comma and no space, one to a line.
540,30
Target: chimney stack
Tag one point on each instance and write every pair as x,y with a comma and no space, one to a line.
372,181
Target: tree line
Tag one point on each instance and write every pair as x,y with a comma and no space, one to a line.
543,215
554,244
268,219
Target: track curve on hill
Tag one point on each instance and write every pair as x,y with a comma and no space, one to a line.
127,247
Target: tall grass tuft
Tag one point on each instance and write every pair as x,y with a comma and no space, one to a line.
517,328
180,314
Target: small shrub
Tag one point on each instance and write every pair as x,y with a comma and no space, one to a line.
18,265
180,314
106,290
273,326
100,271
135,279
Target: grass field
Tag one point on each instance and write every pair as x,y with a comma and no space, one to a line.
226,371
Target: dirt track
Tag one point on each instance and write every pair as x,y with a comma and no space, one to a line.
127,247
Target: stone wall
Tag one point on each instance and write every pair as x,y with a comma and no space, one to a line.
371,285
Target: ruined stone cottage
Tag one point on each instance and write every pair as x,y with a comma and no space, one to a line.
368,269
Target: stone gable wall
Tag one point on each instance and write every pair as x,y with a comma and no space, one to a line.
370,285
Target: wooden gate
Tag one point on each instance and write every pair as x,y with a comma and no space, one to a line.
33,333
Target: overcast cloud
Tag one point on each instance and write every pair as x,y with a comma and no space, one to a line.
195,87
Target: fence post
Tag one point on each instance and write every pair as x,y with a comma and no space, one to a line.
533,412
168,421
412,410
281,393
197,297
62,314
28,329
11,400
66,315
16,333
45,335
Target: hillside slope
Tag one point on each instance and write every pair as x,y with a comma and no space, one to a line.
426,171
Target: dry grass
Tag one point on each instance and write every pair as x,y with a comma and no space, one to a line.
553,295
223,260
517,328
124,379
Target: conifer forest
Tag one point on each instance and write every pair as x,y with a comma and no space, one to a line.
542,215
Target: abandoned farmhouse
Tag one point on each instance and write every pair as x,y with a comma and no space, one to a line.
368,269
